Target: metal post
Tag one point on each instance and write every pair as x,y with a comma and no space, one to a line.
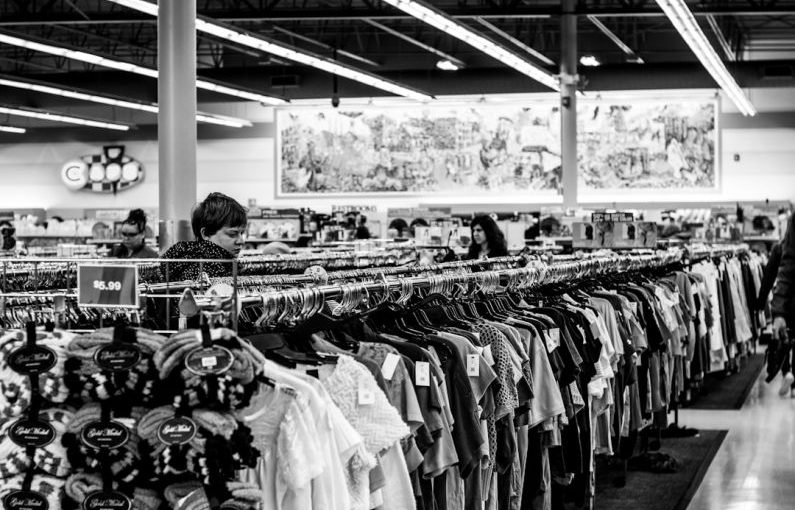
176,87
568,102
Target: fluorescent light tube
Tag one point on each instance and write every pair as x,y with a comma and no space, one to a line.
12,129
685,23
202,83
282,50
45,88
58,117
445,23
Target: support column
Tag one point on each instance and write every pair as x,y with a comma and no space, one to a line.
176,129
568,102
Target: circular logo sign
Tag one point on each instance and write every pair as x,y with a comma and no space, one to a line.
213,360
111,500
108,434
31,360
25,500
35,433
117,357
176,431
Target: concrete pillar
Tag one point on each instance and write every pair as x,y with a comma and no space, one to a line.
176,133
568,102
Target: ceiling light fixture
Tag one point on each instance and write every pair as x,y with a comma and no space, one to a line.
447,24
202,83
58,117
590,61
46,88
687,26
12,129
286,51
446,65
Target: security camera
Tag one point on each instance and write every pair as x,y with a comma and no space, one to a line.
335,101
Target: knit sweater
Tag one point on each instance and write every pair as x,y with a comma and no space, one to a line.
196,250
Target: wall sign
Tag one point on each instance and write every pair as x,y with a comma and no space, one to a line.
107,286
108,172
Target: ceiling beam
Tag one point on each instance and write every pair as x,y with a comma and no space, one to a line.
464,12
629,52
537,54
415,42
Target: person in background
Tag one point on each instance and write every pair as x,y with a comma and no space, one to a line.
7,238
400,226
133,238
218,223
487,239
783,306
417,222
362,232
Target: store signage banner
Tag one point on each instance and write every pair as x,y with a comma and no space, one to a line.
107,286
465,150
110,171
648,144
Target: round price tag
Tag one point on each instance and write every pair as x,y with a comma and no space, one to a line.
111,500
176,431
32,360
110,434
25,500
117,357
213,360
35,433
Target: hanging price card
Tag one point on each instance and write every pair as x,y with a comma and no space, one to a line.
107,286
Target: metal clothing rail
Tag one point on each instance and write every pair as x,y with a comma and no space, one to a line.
297,304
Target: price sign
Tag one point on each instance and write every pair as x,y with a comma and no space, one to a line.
107,286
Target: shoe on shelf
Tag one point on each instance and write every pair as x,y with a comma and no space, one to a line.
786,384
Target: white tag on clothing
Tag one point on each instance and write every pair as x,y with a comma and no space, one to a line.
634,306
422,373
473,365
366,396
553,339
638,361
389,366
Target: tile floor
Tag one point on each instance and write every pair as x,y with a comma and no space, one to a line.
755,467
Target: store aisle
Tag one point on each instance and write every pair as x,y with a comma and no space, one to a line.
755,466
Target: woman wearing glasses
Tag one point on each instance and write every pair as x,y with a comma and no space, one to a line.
133,238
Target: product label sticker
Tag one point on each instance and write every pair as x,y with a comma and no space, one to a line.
176,431
390,365
110,500
213,360
553,339
422,373
117,357
366,396
25,500
473,365
37,433
31,360
107,434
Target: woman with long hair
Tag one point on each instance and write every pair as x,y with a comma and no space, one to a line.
487,239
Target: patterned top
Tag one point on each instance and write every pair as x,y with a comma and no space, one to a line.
196,250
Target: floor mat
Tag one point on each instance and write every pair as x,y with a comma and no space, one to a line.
672,491
729,392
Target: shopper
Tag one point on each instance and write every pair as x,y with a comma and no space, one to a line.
218,223
133,238
362,232
783,304
487,239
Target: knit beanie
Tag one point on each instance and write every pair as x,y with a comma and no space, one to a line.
92,383
50,487
15,388
52,459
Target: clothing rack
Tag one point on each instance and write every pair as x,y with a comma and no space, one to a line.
700,252
301,303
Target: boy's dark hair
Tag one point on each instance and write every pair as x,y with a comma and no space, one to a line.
216,212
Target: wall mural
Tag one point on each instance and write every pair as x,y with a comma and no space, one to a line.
647,145
424,149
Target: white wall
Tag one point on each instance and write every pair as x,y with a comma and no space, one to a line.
244,168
